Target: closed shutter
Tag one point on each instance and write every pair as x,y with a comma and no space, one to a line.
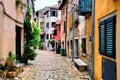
107,37
102,37
110,36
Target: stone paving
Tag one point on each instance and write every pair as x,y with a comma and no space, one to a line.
51,66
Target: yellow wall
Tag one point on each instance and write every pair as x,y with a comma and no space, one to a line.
104,8
70,20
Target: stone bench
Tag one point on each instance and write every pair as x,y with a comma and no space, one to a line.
81,66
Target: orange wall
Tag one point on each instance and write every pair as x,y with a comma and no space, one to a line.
104,8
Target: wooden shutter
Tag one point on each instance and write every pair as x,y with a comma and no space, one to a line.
110,36
102,37
107,37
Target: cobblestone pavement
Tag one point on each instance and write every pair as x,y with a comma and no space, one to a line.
51,66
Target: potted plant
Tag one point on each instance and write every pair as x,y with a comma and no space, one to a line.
76,22
83,46
51,41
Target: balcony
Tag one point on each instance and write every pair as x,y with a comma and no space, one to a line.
84,7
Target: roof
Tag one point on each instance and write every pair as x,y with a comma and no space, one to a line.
55,7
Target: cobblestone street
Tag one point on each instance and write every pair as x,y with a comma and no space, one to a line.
51,66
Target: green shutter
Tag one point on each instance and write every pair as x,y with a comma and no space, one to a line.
107,37
102,37
110,36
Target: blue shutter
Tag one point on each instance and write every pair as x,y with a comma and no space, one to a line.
84,6
102,37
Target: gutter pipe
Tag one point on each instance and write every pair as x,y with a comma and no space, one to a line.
92,40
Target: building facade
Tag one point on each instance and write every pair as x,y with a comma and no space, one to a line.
76,29
85,25
107,30
12,14
51,16
57,36
11,30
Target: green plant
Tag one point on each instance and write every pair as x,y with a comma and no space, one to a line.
36,35
51,41
29,54
58,47
40,46
11,56
83,46
32,38
20,3
76,22
62,52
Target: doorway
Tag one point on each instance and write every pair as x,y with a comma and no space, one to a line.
18,42
109,71
76,48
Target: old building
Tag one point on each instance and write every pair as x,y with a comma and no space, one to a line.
40,19
51,15
106,41
85,23
57,36
12,14
76,29
11,28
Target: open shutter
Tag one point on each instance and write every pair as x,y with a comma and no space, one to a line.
102,37
56,13
110,37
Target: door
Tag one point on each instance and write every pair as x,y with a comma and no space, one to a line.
109,70
18,42
76,47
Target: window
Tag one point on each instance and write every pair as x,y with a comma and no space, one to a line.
47,36
55,32
42,25
28,3
50,36
48,14
53,24
54,13
64,26
47,25
107,37
83,45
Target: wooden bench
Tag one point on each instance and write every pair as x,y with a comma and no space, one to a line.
81,66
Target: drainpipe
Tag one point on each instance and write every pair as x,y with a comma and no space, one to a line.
73,33
92,41
66,28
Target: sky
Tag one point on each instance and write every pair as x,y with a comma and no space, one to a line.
39,4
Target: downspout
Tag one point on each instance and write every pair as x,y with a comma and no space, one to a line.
73,33
92,40
66,28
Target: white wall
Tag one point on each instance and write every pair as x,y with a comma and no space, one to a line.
49,31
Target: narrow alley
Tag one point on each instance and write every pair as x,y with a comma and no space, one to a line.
51,66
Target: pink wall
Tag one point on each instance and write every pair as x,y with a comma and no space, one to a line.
58,36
